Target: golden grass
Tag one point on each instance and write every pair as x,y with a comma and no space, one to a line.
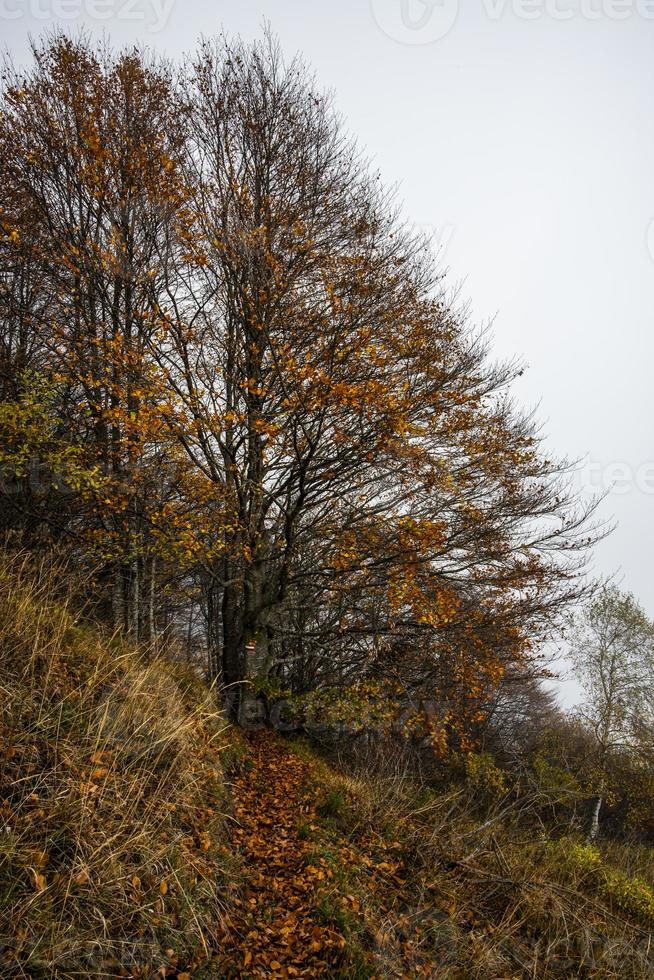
112,799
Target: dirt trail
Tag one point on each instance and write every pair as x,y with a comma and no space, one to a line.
273,931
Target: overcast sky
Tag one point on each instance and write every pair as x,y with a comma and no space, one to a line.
522,133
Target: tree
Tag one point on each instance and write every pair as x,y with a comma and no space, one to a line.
89,141
380,490
279,417
613,654
520,711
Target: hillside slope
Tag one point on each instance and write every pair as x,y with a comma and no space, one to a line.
369,875
142,837
112,797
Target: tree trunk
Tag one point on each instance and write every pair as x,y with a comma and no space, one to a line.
134,611
118,598
233,649
594,820
243,621
213,608
189,636
152,625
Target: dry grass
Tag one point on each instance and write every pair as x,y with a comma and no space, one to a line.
112,860
488,892
111,808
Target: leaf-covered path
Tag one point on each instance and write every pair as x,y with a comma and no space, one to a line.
273,930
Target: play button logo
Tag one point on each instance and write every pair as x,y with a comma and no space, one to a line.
415,21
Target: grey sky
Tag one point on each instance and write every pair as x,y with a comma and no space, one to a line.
522,132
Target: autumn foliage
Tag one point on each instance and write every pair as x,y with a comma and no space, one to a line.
235,387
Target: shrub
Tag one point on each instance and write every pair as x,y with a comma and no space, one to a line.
629,893
485,776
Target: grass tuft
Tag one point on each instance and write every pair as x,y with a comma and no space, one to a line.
111,813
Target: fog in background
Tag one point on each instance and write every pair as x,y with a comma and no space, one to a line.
521,135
